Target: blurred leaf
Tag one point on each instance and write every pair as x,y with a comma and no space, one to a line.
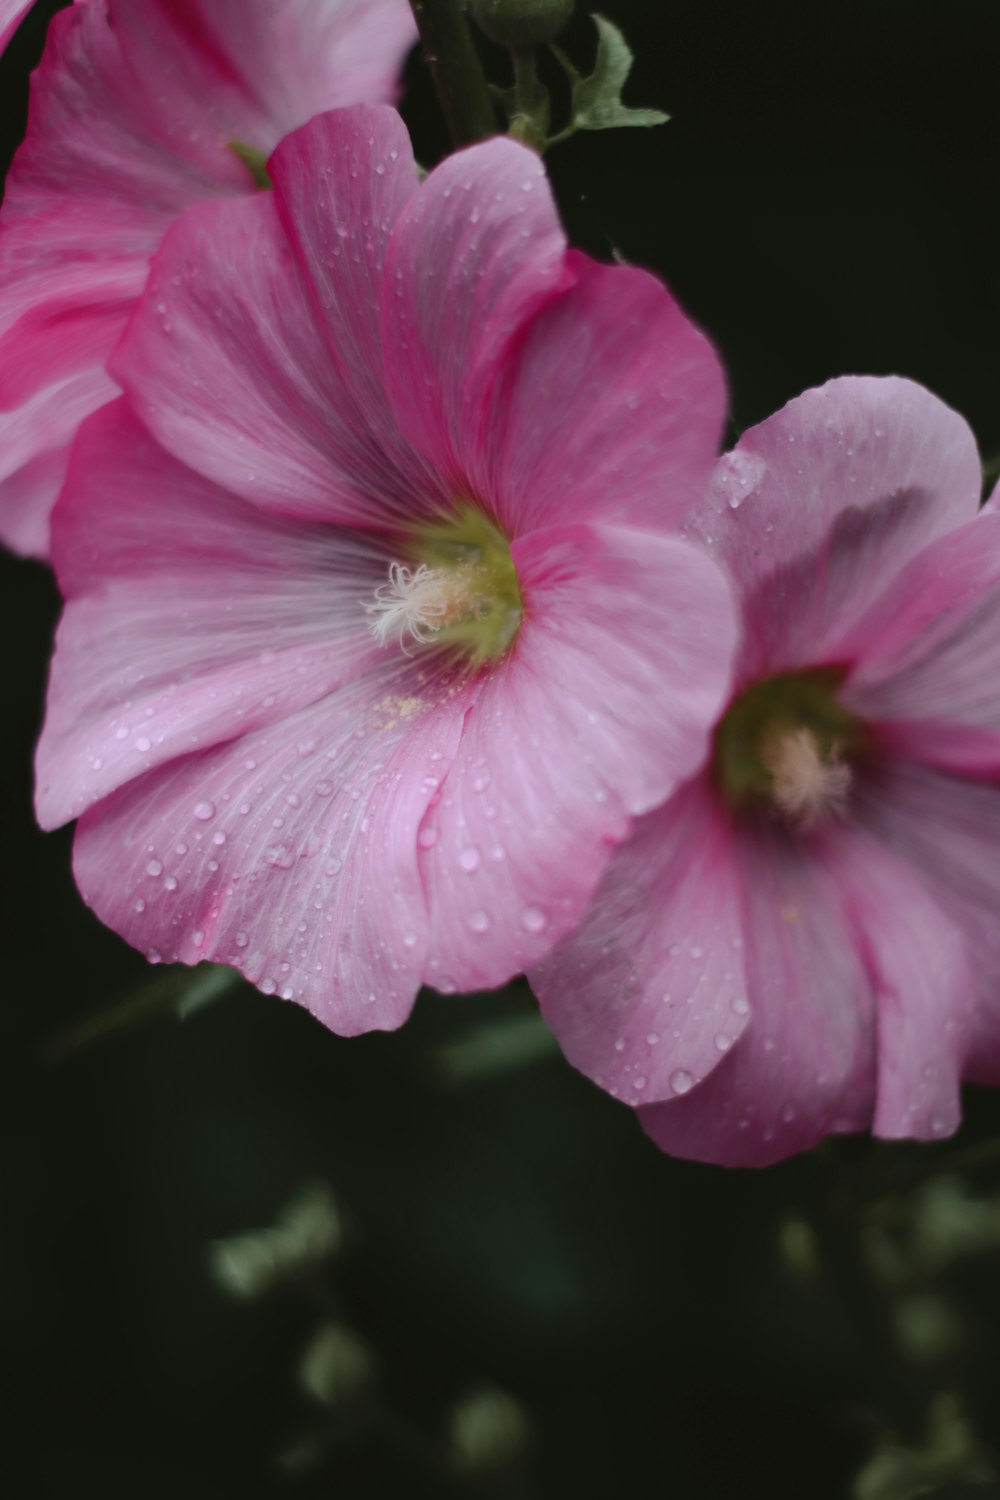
307,1233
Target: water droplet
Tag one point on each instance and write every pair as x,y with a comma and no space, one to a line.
723,1042
740,1005
533,919
653,1038
498,852
639,1082
279,856
470,859
142,744
218,838
620,1044
204,810
268,986
681,1081
122,732
479,921
409,939
242,940
171,883
155,867
140,905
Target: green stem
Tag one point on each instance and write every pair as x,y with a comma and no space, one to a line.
458,77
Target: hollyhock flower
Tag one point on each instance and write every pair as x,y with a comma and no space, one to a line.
354,686
804,939
12,12
139,109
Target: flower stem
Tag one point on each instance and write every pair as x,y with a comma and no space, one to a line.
458,77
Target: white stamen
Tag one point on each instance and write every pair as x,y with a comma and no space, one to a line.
416,603
806,784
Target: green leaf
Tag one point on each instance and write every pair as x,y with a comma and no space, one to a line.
597,100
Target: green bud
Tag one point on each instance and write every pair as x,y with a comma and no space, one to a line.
522,23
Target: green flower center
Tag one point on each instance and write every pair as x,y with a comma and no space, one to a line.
459,591
788,746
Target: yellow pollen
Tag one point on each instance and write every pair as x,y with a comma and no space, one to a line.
806,785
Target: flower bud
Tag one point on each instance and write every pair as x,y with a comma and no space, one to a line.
522,23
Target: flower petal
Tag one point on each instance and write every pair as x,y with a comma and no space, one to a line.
226,366
192,617
289,853
34,454
929,647
805,1064
340,184
255,71
816,509
477,252
918,962
947,829
650,994
11,14
611,409
604,704
130,123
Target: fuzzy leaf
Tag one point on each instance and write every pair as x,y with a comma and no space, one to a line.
597,100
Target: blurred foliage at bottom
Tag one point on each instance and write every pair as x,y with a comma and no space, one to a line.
246,1258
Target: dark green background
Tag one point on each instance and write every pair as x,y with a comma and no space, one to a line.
821,202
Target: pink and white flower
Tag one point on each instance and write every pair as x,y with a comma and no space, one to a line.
364,671
804,939
139,109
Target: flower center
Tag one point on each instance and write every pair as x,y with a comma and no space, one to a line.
459,591
788,746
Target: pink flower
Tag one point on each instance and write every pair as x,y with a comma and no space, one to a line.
139,109
12,12
355,684
804,939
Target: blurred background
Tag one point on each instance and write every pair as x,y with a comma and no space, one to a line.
240,1257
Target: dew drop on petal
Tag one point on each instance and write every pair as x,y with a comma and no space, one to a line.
533,919
204,810
154,867
470,859
479,921
681,1081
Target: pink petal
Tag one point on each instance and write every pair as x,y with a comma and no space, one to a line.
192,617
918,963
289,853
612,408
340,184
604,705
805,1064
259,70
477,253
817,509
929,648
227,367
11,14
129,124
34,452
947,828
650,994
